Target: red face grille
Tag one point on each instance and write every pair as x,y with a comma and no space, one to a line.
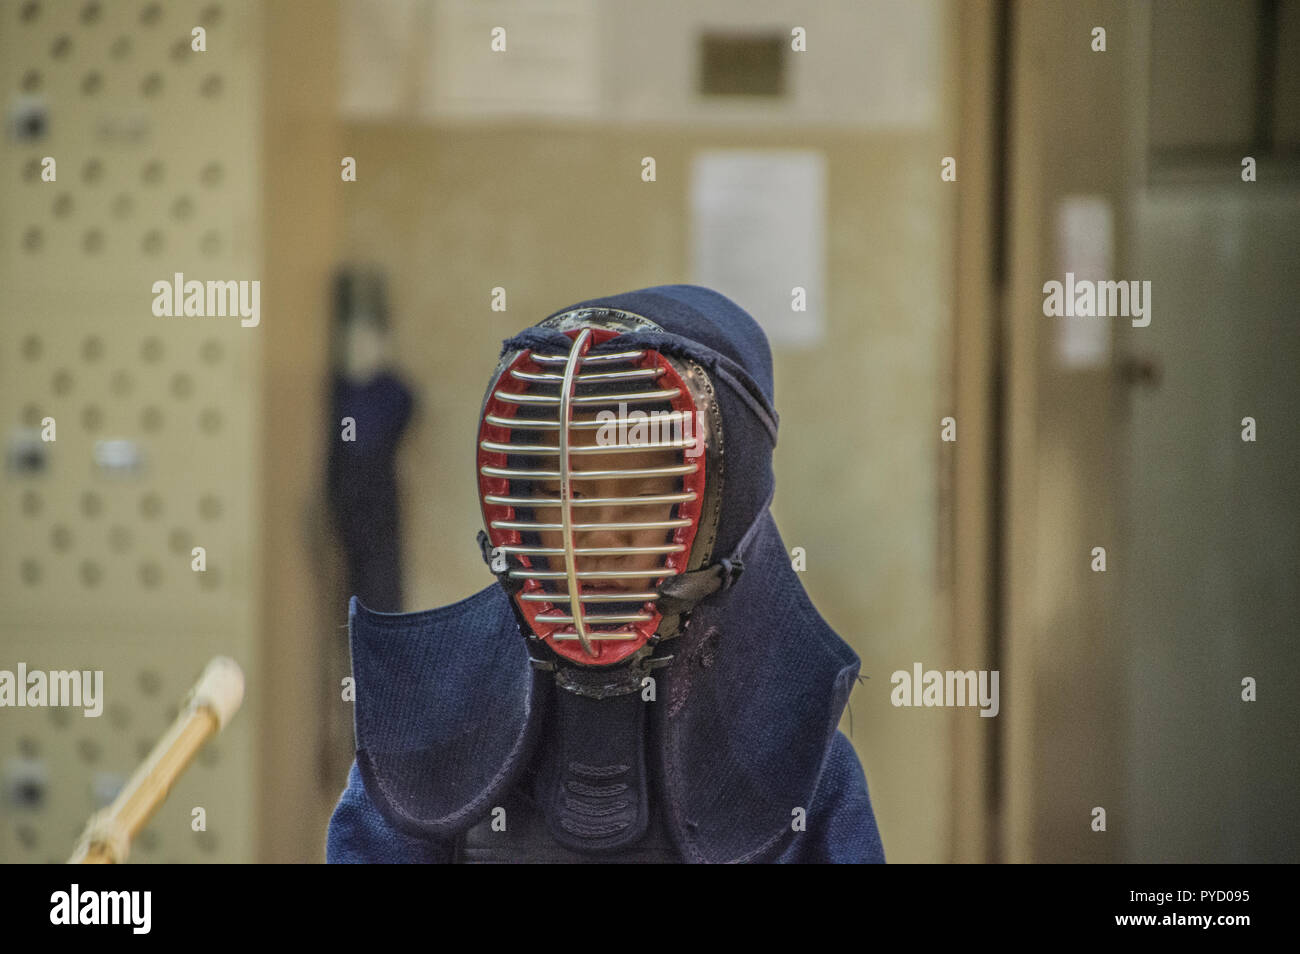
587,506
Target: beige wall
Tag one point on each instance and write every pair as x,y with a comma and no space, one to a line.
303,193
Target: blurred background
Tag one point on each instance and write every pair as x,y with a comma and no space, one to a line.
407,195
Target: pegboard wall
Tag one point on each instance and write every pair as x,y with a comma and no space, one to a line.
156,149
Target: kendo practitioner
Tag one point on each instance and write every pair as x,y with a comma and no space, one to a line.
646,680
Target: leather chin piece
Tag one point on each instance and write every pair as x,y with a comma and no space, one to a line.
592,786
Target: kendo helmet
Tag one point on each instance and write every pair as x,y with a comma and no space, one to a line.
600,477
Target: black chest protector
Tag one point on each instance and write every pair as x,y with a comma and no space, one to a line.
585,797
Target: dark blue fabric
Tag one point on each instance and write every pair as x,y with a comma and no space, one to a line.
703,316
362,484
742,737
445,710
360,834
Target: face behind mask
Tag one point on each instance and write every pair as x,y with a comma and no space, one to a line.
599,475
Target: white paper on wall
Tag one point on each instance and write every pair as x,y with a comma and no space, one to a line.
1085,242
758,225
378,56
550,65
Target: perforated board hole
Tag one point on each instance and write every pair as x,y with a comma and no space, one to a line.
149,681
91,504
91,573
119,716
119,538
28,837
209,506
30,572
31,503
92,418
210,420
211,351
61,538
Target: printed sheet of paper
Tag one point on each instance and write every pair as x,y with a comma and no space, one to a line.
758,226
1085,240
377,57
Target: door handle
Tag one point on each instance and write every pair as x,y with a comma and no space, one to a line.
1140,370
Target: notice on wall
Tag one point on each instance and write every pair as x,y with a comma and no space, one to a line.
758,226
377,57
1085,244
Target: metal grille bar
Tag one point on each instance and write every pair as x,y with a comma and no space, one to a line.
547,450
590,359
595,574
564,474
590,551
546,377
562,618
548,502
565,400
592,527
629,596
580,346
663,418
